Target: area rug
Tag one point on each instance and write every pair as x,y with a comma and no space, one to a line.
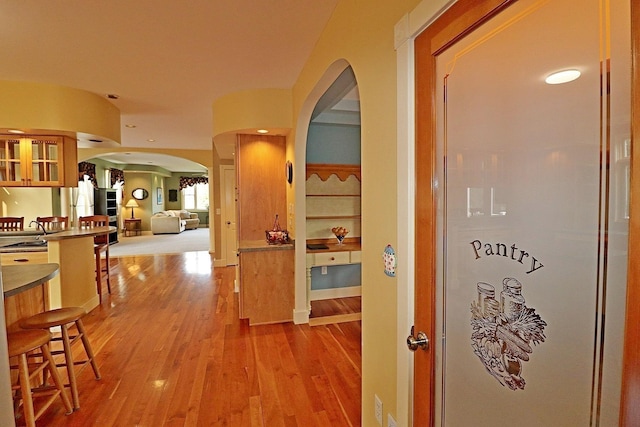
151,244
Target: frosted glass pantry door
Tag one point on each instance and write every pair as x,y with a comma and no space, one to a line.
532,196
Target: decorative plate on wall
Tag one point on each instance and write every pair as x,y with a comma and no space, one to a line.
288,171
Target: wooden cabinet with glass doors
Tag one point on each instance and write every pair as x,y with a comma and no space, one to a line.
34,161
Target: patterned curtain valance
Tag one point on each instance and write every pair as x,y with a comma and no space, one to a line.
89,169
116,175
188,181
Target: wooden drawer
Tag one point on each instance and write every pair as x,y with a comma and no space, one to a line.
356,257
9,258
331,258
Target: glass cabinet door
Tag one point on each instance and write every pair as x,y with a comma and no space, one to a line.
31,161
10,161
45,160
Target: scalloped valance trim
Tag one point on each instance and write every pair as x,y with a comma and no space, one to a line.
188,181
324,171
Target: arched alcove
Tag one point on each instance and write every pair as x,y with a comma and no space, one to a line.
328,135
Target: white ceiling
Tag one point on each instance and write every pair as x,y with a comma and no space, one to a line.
166,60
170,163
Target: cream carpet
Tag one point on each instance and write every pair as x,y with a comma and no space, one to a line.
151,244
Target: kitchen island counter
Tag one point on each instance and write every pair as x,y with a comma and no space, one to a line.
72,250
25,291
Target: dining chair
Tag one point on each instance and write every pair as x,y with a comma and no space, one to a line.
11,223
100,245
53,223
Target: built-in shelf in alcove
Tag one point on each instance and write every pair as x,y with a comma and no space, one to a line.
332,200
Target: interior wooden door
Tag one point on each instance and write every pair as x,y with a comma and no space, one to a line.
523,209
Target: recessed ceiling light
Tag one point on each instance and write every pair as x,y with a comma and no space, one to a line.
130,126
262,131
151,140
564,76
15,131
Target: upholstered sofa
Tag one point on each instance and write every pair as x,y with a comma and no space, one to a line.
174,221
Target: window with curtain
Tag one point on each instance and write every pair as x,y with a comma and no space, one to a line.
196,197
195,192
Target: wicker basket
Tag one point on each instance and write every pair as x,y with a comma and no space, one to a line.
277,236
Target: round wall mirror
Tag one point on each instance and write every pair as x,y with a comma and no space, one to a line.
140,194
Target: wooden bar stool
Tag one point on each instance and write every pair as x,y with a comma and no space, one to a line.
100,245
21,343
64,317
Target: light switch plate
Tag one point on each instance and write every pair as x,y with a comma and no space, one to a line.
378,409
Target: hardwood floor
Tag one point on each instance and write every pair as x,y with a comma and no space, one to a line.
337,310
172,352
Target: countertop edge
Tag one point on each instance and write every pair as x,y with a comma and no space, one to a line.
262,245
19,278
73,233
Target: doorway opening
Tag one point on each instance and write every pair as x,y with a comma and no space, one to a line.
332,202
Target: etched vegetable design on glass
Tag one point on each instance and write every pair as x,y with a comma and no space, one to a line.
504,331
340,233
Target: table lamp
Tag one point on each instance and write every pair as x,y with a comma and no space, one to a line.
131,204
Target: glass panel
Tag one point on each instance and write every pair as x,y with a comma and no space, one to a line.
533,237
44,171
13,149
44,149
38,172
189,197
52,151
53,172
202,196
37,150
14,172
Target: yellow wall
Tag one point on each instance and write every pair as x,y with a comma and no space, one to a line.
37,106
362,33
19,201
252,110
145,209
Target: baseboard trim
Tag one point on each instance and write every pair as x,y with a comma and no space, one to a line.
321,294
94,302
300,316
338,318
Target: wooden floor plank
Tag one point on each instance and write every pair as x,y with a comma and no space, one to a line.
173,352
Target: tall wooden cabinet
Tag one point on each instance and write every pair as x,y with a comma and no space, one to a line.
105,202
261,184
266,272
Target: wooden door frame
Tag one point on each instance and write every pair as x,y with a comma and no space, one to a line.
630,399
460,19
224,240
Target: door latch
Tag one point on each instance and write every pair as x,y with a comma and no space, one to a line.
415,342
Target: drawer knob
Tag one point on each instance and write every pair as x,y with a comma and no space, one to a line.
332,258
